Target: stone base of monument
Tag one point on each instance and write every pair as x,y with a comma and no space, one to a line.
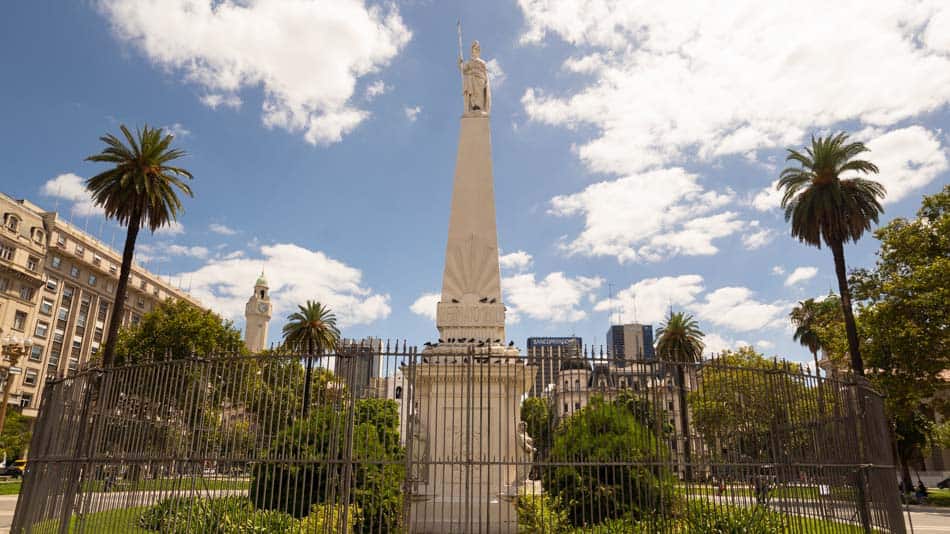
468,454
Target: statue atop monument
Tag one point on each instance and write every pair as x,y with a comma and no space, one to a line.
476,88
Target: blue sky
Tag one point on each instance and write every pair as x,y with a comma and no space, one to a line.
634,146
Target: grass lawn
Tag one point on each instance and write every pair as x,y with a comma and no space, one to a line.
938,497
123,520
171,484
10,488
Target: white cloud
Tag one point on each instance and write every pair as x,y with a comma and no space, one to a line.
295,274
495,73
426,305
554,298
375,89
908,159
764,344
214,100
518,260
736,309
648,301
173,228
778,270
716,344
412,113
768,198
670,81
756,236
306,56
221,229
177,129
648,216
800,274
192,251
71,187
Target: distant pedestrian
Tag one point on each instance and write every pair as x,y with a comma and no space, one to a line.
921,493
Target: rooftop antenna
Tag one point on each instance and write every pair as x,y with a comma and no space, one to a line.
458,27
610,301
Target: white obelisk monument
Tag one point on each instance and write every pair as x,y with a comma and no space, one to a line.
468,453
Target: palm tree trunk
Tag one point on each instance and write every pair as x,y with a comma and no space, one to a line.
118,305
684,423
306,380
821,395
857,365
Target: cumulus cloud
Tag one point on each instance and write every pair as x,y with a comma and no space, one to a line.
518,260
72,188
778,270
670,80
756,236
221,229
768,198
716,343
650,299
306,56
426,305
375,89
173,228
554,298
800,274
908,159
737,309
495,73
177,129
296,274
672,216
412,113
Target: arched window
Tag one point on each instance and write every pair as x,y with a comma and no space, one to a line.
262,293
11,221
398,392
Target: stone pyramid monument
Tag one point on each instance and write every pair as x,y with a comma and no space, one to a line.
468,453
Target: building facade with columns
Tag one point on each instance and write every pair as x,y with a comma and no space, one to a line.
57,285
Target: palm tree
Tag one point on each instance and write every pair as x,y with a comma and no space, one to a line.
140,190
822,206
680,342
313,325
804,317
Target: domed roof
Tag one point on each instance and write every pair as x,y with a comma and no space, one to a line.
261,281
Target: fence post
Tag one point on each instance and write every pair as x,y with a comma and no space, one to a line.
94,394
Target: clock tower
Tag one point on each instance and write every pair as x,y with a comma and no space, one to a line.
256,316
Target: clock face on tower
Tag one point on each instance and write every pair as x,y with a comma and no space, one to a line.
262,307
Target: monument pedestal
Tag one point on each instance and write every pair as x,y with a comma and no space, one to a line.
468,454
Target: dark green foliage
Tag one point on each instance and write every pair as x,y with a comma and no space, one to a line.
541,513
223,515
376,474
16,435
710,518
608,434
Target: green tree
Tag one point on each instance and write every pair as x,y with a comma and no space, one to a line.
539,421
313,326
139,190
822,206
177,329
680,343
629,480
904,310
15,439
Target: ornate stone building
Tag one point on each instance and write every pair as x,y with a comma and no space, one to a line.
56,287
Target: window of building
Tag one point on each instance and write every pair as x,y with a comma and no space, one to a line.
112,269
96,259
29,378
143,285
63,314
135,319
577,406
38,235
36,353
61,241
622,382
74,271
26,400
77,348
4,283
12,222
110,287
52,284
670,405
92,279
140,302
97,336
7,252
19,320
565,407
577,383
33,263
42,327
55,262
103,311
46,306
80,250
27,292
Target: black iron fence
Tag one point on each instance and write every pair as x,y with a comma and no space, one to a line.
458,439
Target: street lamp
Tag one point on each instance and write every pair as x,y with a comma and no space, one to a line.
12,347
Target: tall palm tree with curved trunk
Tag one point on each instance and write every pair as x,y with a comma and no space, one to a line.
140,190
804,317
680,343
824,207
314,326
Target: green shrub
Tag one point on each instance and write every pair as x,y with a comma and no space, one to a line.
329,518
709,518
223,515
376,474
630,481
540,513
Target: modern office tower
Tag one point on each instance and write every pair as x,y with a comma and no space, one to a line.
630,342
57,283
548,353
